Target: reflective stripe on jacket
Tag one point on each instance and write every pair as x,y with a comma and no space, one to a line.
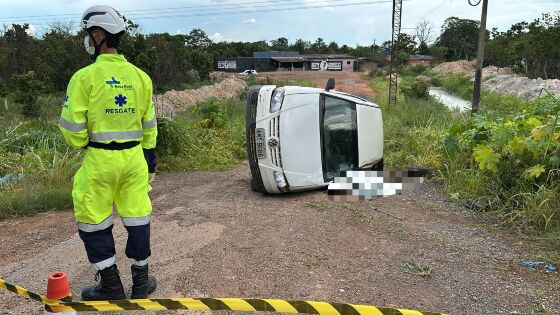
109,100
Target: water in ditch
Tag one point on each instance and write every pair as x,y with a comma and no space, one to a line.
450,100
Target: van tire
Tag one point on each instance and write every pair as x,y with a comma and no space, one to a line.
379,166
256,186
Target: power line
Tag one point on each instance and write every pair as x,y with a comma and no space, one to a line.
211,7
240,12
275,10
430,11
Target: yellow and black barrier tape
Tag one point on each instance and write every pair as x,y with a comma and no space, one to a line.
212,304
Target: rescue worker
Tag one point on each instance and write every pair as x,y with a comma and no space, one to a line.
109,111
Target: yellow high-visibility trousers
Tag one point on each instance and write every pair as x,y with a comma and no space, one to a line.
107,176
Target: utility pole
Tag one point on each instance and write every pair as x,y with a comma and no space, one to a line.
396,32
479,58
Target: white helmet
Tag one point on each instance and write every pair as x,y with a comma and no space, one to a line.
105,17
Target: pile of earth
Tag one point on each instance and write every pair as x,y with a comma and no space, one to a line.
501,80
459,67
519,86
173,102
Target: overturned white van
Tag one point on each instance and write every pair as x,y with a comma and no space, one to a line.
300,138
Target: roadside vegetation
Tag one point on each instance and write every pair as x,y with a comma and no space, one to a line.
37,167
207,137
503,161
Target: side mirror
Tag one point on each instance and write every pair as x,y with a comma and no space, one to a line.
330,84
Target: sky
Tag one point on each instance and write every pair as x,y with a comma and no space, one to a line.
348,22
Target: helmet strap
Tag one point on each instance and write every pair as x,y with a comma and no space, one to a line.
96,45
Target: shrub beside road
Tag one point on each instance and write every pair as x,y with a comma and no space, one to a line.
503,161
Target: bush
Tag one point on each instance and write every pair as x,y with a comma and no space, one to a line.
171,139
210,137
27,91
517,158
377,72
415,88
412,70
212,114
3,88
252,80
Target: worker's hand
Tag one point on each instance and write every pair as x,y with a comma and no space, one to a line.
151,177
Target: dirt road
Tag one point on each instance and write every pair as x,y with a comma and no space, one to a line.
213,237
349,82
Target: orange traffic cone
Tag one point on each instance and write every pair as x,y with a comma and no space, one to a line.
58,288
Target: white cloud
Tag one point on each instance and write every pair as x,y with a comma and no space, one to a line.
217,37
250,21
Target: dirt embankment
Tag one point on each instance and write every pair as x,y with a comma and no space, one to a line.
501,80
346,81
173,102
230,85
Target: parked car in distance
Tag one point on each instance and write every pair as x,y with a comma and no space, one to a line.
248,72
300,138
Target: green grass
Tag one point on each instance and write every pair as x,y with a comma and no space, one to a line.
209,137
32,198
413,130
416,133
204,141
418,269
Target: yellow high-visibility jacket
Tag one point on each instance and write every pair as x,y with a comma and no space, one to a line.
109,100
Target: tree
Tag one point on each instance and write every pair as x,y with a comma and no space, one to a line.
333,47
530,48
319,46
423,49
301,46
424,32
27,91
460,36
406,43
132,29
19,50
438,52
280,44
197,38
201,61
56,68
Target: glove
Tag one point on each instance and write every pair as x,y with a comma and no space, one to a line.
151,177
151,159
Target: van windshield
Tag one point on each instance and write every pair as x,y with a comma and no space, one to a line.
339,136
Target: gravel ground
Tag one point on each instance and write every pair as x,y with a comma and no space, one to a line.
213,237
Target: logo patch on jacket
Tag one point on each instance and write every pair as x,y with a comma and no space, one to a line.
120,101
113,81
116,84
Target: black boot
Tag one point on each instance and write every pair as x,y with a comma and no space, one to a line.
142,283
109,288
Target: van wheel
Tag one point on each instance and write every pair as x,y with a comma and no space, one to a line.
378,166
256,186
